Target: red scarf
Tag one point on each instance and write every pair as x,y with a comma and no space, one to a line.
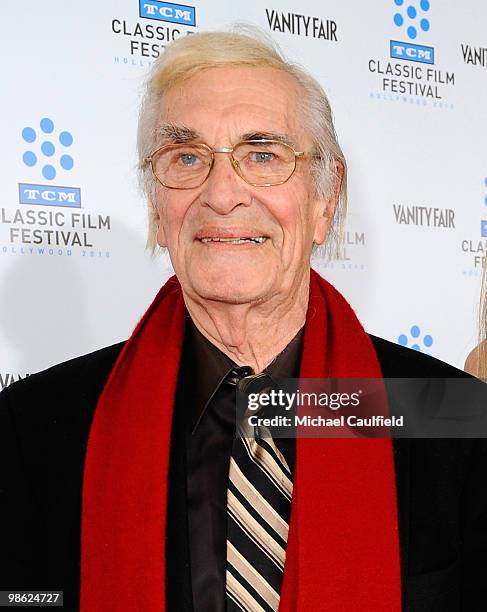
343,548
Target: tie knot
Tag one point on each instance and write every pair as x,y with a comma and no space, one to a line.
236,374
255,385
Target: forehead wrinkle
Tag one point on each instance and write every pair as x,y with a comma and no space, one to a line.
225,121
265,135
173,133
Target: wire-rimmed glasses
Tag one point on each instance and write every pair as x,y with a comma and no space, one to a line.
260,163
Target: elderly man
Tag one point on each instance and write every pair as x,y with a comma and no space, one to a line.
123,482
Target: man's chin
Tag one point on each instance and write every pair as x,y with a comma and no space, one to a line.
231,291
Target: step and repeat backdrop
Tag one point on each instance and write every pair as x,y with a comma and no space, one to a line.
407,80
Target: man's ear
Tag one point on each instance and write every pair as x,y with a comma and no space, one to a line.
161,236
327,207
160,233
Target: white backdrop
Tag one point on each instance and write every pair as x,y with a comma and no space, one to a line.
410,115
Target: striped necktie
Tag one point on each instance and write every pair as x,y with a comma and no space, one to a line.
258,510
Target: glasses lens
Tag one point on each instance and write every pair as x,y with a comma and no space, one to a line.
265,163
182,166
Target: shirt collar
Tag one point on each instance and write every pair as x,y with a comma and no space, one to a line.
209,367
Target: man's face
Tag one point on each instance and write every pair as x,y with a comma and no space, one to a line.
220,105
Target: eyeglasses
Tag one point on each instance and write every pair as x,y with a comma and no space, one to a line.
260,163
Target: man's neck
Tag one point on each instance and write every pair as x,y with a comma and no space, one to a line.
251,334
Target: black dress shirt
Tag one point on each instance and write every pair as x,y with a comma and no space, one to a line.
202,437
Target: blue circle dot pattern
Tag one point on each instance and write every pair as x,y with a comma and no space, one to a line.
416,341
67,162
47,125
412,12
49,172
413,28
28,134
48,149
29,158
398,19
415,331
66,139
412,32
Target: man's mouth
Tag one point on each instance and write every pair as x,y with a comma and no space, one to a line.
254,239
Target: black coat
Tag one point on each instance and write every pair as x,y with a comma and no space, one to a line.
44,425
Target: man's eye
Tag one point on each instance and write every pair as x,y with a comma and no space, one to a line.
188,159
261,156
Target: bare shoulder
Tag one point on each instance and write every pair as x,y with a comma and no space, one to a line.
472,362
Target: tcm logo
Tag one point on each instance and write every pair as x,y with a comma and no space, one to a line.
166,11
49,195
413,53
413,21
48,151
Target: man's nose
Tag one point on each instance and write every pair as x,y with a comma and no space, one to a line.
223,190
